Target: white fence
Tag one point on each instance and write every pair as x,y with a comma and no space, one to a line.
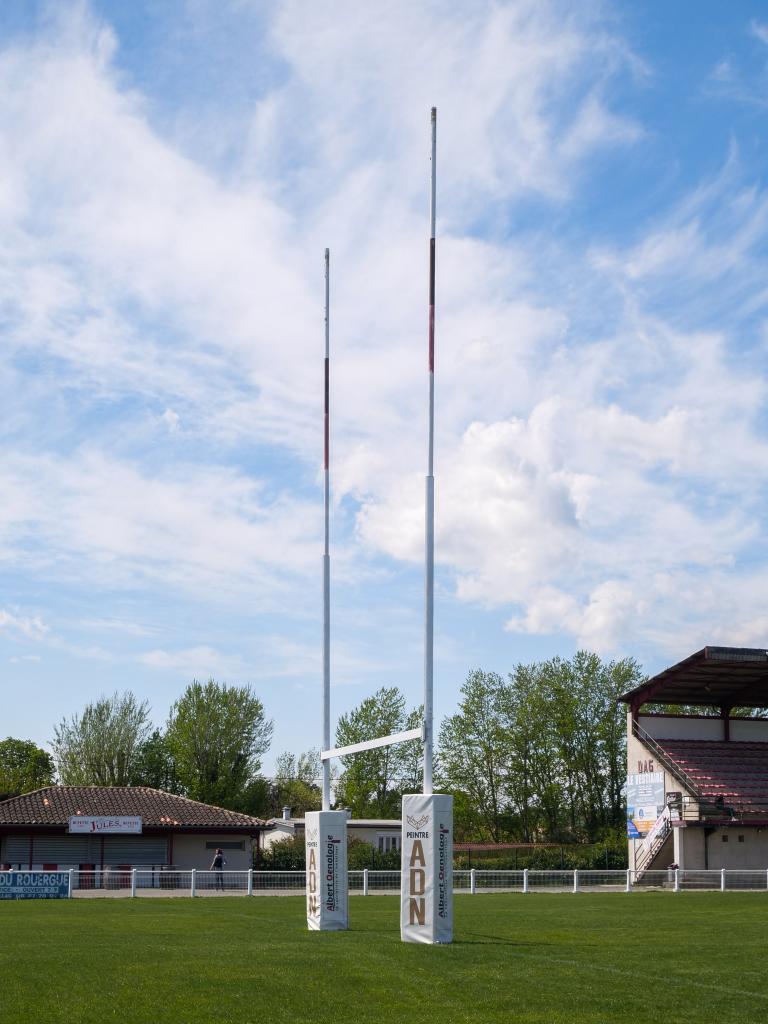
117,882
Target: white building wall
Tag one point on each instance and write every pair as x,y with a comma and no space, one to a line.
367,833
278,833
750,854
192,851
749,729
678,727
675,727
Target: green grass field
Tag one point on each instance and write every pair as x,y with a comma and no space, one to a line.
697,957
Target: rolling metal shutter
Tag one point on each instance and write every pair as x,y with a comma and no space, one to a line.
17,849
135,850
48,850
86,849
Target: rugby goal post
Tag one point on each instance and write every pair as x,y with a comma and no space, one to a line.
426,886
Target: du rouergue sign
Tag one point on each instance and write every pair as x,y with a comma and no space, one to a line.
34,885
115,825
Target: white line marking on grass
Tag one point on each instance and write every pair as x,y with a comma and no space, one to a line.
665,979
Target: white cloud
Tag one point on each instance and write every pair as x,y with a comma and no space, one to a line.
196,526
32,628
119,626
201,662
579,482
171,420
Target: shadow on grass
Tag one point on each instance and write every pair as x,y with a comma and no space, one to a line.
494,940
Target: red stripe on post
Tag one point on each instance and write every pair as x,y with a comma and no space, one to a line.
431,339
326,421
431,305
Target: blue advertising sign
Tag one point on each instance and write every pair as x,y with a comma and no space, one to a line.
34,885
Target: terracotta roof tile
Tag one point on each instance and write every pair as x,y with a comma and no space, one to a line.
54,805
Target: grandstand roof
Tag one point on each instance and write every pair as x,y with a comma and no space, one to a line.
718,676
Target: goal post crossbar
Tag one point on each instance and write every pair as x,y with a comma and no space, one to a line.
380,741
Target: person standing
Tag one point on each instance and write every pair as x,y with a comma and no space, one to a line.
217,865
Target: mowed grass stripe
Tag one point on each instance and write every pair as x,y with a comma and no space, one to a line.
544,958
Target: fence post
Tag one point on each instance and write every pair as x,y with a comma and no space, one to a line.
629,880
250,882
193,882
722,879
677,880
525,879
133,881
365,881
575,879
472,882
69,883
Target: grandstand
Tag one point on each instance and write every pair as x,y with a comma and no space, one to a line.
697,784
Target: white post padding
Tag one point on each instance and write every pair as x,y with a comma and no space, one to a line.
426,885
327,891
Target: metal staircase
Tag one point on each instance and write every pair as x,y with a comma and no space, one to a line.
652,844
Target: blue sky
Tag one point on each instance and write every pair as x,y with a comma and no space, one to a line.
171,174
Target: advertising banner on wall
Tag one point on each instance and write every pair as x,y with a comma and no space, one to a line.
115,825
34,885
645,802
326,848
426,887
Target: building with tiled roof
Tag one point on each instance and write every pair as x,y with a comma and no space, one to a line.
97,827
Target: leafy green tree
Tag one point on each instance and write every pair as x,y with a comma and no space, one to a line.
475,751
23,767
296,783
217,735
542,753
154,765
531,768
257,798
101,746
372,782
589,736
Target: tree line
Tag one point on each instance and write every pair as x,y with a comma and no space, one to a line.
538,755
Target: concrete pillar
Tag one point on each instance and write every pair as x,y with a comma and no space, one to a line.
678,838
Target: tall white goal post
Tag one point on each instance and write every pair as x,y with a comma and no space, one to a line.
325,831
426,892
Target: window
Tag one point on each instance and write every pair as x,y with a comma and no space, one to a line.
388,841
725,839
741,839
226,846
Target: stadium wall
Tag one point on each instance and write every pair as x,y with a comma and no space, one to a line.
735,847
677,727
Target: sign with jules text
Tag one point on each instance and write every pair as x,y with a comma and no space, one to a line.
116,825
426,887
325,836
34,885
